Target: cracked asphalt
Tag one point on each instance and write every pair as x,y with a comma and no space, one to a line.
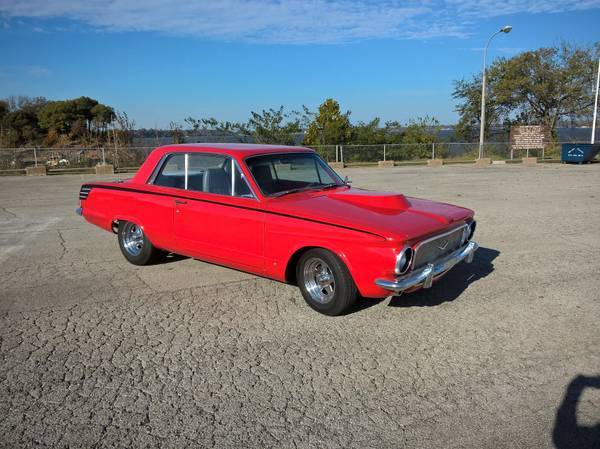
503,353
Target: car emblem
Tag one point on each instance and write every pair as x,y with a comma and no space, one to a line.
443,247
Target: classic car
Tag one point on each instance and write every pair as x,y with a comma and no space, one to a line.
282,213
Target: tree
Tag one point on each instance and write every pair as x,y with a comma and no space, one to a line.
368,133
422,132
535,87
83,107
548,84
468,92
176,132
24,103
329,126
58,115
273,126
102,116
21,127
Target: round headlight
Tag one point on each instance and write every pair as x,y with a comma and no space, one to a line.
404,259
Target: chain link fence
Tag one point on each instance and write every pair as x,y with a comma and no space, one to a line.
128,159
72,159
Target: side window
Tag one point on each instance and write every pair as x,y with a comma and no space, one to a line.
206,173
212,173
172,174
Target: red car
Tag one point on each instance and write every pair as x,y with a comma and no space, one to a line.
282,213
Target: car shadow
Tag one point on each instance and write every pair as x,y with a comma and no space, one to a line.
453,284
567,433
166,258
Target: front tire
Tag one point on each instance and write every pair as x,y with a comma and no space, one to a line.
325,282
134,244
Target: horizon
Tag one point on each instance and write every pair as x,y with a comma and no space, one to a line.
378,59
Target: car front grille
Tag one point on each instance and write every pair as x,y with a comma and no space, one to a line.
84,192
438,246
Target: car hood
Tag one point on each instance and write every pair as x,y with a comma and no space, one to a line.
389,215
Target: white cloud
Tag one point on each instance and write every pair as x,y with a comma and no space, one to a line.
288,21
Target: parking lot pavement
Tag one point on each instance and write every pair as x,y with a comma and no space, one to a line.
500,353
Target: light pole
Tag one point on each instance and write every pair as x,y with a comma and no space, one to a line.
504,29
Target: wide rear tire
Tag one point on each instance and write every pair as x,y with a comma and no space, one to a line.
134,244
325,282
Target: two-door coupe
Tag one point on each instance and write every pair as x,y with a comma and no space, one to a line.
282,213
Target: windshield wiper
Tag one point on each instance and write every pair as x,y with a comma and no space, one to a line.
285,192
328,186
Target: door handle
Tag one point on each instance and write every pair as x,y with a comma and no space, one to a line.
180,202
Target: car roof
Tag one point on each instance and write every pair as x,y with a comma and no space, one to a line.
232,149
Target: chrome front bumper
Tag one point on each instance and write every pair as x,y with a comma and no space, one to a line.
79,211
424,276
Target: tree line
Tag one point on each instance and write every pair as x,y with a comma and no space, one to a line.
547,86
79,121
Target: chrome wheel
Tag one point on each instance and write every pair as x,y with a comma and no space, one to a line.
133,239
318,280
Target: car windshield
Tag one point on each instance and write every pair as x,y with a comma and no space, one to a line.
279,174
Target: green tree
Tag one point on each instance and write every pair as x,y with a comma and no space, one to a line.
273,126
468,93
58,115
21,127
421,133
368,133
535,87
102,116
330,126
548,84
83,107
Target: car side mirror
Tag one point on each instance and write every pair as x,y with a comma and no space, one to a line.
347,180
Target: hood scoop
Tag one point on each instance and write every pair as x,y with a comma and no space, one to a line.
381,201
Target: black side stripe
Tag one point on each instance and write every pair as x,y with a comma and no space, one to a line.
183,197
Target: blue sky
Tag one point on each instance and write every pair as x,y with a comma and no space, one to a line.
163,61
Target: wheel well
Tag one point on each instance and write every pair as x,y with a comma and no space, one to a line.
114,226
290,269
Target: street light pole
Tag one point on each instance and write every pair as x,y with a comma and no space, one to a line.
504,29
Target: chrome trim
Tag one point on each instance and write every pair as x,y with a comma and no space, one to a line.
158,168
424,276
84,192
243,176
163,160
79,211
410,261
472,229
307,150
437,236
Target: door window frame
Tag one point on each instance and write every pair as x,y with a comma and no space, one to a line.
234,165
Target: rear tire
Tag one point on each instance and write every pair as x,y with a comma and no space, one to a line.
325,282
134,244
